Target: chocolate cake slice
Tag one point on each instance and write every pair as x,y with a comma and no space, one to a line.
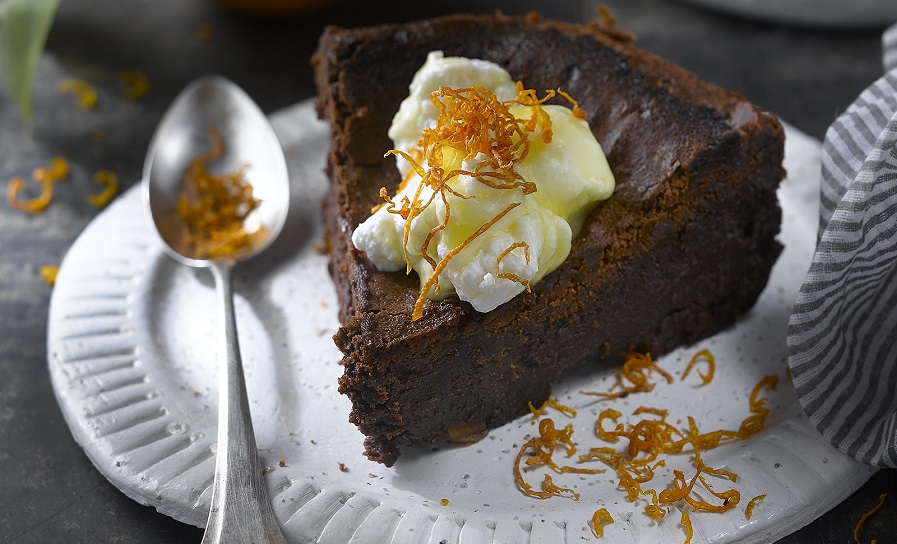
682,248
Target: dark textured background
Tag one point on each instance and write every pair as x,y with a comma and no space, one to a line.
49,492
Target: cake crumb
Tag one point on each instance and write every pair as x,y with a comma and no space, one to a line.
282,463
343,467
444,502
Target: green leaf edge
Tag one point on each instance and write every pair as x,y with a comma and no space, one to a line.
24,27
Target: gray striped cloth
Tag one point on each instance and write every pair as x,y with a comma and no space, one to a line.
842,338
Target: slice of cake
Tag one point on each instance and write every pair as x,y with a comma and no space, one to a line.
681,249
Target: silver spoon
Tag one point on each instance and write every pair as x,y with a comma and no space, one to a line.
241,511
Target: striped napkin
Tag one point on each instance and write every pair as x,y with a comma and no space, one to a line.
842,337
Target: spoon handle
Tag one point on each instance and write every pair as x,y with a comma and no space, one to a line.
241,511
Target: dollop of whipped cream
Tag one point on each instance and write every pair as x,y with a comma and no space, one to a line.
571,175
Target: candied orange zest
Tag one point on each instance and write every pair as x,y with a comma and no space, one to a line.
711,365
649,410
474,123
508,275
730,497
605,454
46,176
758,405
749,510
59,168
653,510
866,516
550,488
537,412
85,93
600,518
543,447
214,208
49,274
636,369
685,521
109,181
650,437
437,270
136,84
578,112
681,490
609,436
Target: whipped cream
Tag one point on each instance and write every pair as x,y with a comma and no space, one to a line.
571,175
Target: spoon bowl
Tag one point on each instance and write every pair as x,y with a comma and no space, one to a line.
241,510
185,133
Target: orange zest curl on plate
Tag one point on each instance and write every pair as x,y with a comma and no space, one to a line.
600,518
471,123
654,510
543,447
866,516
58,169
214,208
549,488
109,181
749,511
682,490
645,443
636,370
711,364
685,522
537,412
84,92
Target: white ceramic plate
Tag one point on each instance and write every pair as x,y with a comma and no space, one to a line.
132,359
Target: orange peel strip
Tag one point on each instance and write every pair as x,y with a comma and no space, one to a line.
711,365
636,369
214,207
537,412
600,518
578,112
685,522
46,176
49,274
473,122
109,181
505,253
549,487
85,93
544,446
653,510
866,516
34,205
749,510
419,305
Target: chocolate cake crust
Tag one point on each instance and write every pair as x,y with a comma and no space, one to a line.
682,248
